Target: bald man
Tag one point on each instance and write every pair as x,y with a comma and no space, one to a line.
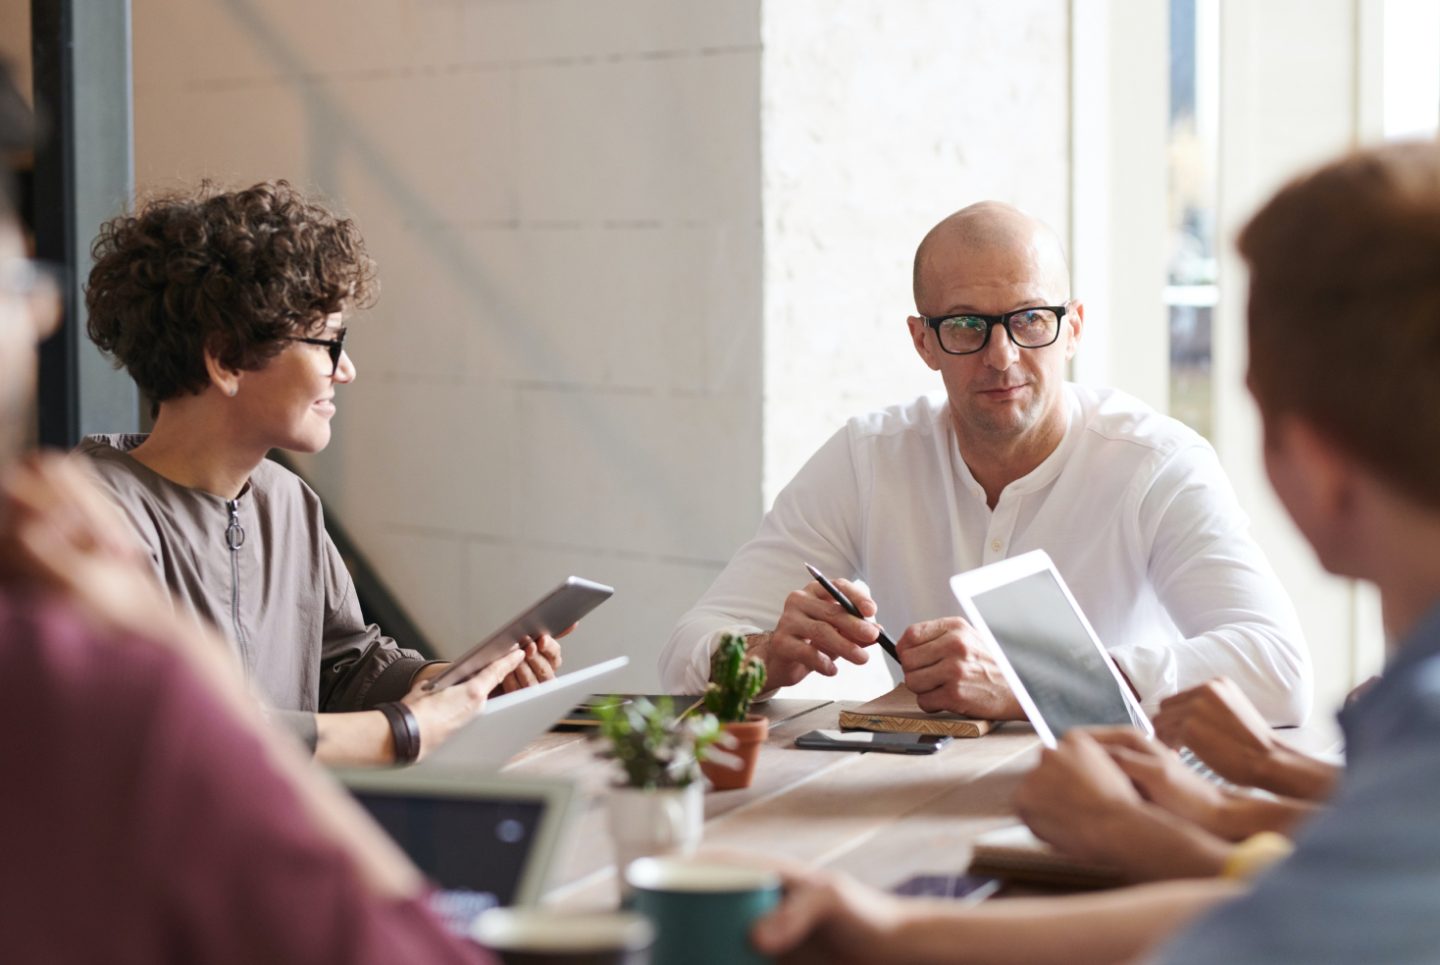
1132,506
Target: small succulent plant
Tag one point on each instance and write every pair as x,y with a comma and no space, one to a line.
657,747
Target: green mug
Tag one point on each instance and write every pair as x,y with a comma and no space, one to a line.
702,911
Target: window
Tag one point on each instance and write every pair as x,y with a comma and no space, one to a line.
1191,291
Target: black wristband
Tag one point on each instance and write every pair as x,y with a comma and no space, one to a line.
404,730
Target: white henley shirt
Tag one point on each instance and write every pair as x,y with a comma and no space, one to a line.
1132,506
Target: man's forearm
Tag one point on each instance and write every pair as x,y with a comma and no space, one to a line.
1154,845
757,645
1242,815
1298,775
1114,926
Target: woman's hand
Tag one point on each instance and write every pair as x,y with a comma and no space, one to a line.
542,660
442,712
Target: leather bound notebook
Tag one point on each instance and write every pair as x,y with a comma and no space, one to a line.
1014,853
897,712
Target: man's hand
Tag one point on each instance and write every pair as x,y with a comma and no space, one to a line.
1078,799
829,918
813,632
1217,721
442,712
949,668
1161,777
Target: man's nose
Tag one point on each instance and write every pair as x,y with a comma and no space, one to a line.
1002,352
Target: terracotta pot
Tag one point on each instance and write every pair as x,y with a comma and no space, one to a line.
749,736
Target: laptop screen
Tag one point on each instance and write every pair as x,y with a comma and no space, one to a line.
1053,655
466,845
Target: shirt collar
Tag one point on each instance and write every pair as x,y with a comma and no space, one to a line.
1043,474
1421,643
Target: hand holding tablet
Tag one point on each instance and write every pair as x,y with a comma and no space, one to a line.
554,614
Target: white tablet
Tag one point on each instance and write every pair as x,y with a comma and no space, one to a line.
1050,655
553,613
508,722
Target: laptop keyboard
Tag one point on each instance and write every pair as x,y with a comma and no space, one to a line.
1195,764
457,909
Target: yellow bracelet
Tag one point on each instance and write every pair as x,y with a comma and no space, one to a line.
1256,853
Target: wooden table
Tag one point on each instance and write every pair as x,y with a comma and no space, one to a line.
880,817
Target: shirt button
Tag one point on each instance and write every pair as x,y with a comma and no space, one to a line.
995,545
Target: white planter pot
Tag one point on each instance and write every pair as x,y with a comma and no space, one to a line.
664,821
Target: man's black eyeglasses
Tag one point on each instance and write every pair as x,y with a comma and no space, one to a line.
968,333
335,345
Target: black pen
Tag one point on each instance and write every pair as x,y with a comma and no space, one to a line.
885,642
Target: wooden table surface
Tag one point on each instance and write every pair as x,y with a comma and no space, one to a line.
882,818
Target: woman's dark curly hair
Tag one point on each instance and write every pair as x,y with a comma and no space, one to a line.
236,272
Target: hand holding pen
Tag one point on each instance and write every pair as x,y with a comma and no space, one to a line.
883,639
812,633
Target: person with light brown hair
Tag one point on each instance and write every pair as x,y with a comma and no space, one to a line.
1344,329
228,308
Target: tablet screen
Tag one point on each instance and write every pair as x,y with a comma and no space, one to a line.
1053,654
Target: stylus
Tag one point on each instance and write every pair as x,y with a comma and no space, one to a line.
885,642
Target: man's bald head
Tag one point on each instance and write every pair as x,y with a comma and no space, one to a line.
990,227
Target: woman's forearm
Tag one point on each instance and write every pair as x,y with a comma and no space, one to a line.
360,739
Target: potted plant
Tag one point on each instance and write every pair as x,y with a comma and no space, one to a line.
659,808
735,679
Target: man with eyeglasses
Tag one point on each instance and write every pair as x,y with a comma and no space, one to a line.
1132,505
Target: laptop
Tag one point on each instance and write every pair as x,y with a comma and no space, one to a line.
1060,672
485,840
508,722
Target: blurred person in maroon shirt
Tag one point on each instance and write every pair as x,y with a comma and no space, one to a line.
149,815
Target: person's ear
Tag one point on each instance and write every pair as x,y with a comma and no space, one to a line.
1315,479
224,378
924,346
1074,321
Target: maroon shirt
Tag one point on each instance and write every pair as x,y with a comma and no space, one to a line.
139,823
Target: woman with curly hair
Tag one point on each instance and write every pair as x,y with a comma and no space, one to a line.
227,308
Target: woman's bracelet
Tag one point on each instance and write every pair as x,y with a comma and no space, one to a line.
404,730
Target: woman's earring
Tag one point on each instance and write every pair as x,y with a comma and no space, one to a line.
232,390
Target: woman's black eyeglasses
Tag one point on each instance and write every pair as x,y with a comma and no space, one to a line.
335,345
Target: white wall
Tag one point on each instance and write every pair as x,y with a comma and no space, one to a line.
879,119
563,372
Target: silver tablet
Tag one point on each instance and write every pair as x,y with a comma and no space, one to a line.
554,613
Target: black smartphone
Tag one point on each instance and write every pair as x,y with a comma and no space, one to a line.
864,740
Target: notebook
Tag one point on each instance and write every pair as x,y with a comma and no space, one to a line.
1014,853
898,712
484,840
509,722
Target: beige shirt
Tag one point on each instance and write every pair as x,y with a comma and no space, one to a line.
263,570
